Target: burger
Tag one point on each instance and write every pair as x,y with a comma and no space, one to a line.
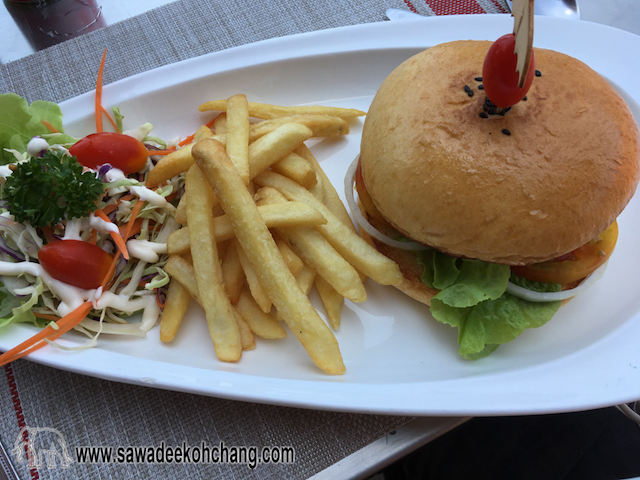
494,215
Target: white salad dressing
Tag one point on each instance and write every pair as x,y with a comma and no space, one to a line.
147,195
5,171
101,225
145,250
36,145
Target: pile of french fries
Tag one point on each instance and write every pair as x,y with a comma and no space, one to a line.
261,225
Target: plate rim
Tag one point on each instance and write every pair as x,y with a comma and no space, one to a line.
360,397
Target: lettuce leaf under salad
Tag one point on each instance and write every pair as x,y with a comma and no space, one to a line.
132,305
472,297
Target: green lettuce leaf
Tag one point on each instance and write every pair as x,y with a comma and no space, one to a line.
20,122
473,299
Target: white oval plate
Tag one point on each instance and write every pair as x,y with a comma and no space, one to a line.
399,360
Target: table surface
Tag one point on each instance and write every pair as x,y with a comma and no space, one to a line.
358,457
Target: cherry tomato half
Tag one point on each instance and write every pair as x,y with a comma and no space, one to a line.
575,265
499,75
75,262
120,151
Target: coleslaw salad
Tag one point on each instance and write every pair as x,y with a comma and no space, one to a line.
129,222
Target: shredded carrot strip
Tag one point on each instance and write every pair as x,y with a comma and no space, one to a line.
162,152
111,120
120,243
99,108
160,304
137,228
113,206
187,140
134,214
50,127
171,196
94,237
211,122
110,272
32,344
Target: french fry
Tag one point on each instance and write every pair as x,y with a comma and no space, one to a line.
176,162
318,253
220,123
218,310
258,292
275,145
320,125
181,210
238,134
175,307
327,194
202,132
305,279
265,151
347,243
262,324
331,198
294,213
257,242
232,273
246,335
266,111
297,169
293,261
182,270
171,165
331,300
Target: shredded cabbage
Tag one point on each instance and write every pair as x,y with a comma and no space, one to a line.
128,306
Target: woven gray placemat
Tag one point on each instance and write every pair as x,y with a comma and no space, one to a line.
92,412
189,28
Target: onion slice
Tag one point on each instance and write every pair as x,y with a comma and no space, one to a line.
532,296
363,222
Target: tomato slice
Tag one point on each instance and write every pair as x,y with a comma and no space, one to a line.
499,76
75,262
120,151
575,265
365,198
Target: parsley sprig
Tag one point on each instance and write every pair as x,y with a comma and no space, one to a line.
48,189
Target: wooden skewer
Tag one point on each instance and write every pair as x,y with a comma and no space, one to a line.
523,31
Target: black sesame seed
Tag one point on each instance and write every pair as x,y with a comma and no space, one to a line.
467,89
470,93
489,102
525,98
506,132
478,79
480,87
484,115
492,111
538,73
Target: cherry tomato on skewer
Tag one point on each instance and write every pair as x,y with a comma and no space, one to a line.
499,75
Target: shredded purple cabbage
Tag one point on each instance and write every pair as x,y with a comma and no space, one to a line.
103,170
9,251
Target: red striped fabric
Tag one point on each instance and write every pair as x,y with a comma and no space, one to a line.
17,406
454,7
